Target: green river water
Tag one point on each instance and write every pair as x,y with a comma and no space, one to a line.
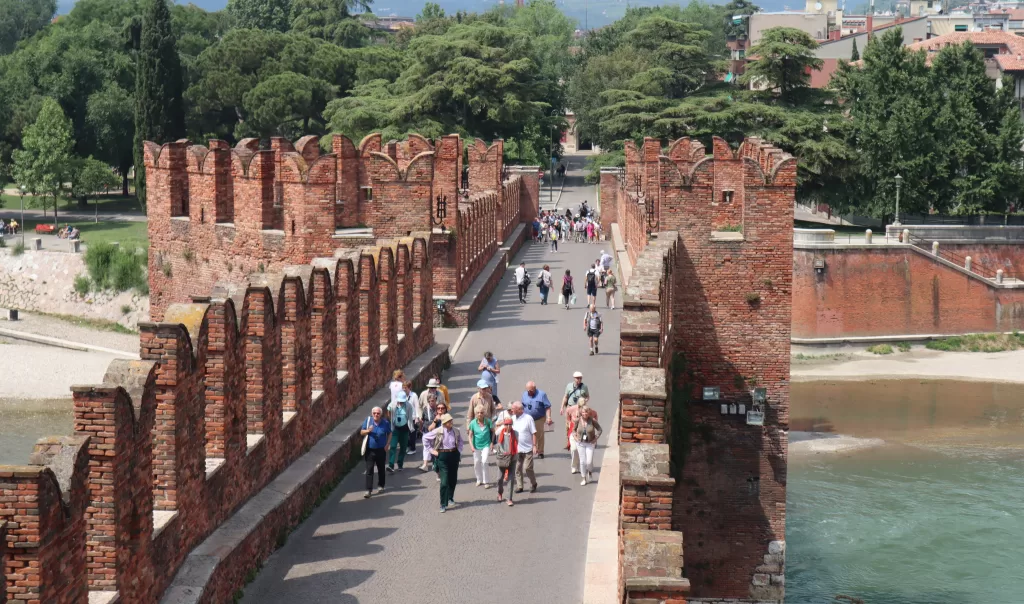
933,514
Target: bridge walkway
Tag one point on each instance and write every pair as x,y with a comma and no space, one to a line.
397,546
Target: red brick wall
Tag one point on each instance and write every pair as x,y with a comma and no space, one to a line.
728,326
208,378
899,291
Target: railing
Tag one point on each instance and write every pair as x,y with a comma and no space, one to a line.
950,256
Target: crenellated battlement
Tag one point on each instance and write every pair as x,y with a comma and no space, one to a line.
219,213
230,389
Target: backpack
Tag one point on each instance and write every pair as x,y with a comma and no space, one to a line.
401,417
594,322
591,279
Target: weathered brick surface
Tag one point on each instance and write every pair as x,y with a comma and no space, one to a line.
218,214
901,291
719,306
230,389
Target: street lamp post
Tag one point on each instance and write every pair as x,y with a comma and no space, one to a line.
899,181
23,191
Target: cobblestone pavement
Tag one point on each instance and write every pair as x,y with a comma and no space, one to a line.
397,546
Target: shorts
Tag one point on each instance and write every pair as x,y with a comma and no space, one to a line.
592,290
593,333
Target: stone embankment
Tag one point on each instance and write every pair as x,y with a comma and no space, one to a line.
42,281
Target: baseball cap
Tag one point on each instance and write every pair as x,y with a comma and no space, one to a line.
433,383
577,374
402,397
482,384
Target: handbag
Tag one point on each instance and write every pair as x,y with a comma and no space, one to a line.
366,438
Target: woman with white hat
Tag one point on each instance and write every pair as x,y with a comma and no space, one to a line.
445,444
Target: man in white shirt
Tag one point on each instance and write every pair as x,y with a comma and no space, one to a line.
522,282
525,428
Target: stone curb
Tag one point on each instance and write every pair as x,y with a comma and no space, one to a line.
48,341
601,566
256,525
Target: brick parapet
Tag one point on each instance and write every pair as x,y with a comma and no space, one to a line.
224,397
218,214
714,282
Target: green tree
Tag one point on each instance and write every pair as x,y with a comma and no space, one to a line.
736,8
327,19
274,15
89,176
781,61
1007,168
431,11
159,107
287,104
110,118
855,55
44,162
21,19
965,104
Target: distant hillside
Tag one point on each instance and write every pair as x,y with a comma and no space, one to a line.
589,13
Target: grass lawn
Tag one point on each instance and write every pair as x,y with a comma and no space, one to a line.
107,203
93,232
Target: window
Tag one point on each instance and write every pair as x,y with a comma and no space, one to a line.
929,3
959,28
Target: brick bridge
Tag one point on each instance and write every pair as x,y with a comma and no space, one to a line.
288,284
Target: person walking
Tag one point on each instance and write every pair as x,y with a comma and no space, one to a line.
574,392
377,431
571,417
426,402
522,282
396,384
445,445
401,413
611,285
553,235
590,280
506,449
586,432
525,428
593,324
482,398
536,405
414,402
567,289
544,283
432,423
481,432
489,370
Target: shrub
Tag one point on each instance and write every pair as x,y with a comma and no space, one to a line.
880,349
753,297
730,228
82,285
904,346
126,308
117,268
18,249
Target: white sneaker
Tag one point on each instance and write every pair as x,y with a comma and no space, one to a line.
583,482
478,483
573,471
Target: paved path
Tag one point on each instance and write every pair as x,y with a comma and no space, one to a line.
398,547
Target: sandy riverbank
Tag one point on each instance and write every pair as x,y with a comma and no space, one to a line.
855,363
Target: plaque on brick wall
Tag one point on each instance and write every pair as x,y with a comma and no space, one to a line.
711,393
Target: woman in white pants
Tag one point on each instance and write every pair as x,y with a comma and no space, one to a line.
586,432
481,429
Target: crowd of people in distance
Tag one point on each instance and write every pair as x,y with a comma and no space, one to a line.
581,227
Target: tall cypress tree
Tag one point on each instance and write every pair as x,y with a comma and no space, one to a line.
855,55
159,84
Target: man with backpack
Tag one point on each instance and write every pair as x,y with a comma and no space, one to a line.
591,282
402,414
594,326
522,282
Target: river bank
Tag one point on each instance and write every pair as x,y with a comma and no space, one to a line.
846,362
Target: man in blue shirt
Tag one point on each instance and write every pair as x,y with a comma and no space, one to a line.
536,405
377,431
